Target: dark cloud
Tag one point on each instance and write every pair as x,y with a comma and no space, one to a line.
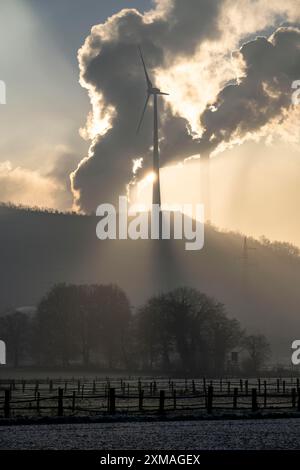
186,23
262,95
111,68
111,71
62,165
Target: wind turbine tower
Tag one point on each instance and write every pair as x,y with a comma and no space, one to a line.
246,264
153,91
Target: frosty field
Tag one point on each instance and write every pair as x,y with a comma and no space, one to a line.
184,435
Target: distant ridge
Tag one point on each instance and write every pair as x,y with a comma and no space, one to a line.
40,248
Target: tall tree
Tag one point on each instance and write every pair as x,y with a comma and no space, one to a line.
153,330
57,326
15,331
188,325
259,351
111,319
78,320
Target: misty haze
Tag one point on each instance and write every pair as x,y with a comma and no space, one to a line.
166,104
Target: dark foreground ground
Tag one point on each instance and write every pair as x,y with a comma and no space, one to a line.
176,435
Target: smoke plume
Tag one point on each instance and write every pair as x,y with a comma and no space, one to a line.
262,97
177,33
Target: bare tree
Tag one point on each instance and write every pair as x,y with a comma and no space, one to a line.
77,320
15,331
259,351
186,325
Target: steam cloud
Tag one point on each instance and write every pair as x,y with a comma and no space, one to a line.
176,31
262,96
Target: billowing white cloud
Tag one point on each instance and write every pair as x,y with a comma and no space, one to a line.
188,47
262,99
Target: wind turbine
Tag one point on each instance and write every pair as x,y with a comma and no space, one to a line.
152,91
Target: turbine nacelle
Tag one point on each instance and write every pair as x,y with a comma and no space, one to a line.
155,91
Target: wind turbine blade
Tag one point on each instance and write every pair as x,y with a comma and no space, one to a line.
143,113
149,83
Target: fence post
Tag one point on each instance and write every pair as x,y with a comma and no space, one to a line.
210,395
246,387
7,404
254,399
174,399
298,404
78,386
293,397
60,407
259,386
283,386
141,396
112,401
51,386
23,385
36,389
73,401
235,396
221,385
194,387
277,385
241,385
265,394
161,401
38,402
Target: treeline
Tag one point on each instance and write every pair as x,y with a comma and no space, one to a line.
182,331
18,208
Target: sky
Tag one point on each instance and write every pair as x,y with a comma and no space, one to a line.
74,97
46,106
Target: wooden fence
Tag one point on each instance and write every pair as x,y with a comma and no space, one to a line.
85,397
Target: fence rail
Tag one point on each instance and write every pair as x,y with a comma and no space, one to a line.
71,397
